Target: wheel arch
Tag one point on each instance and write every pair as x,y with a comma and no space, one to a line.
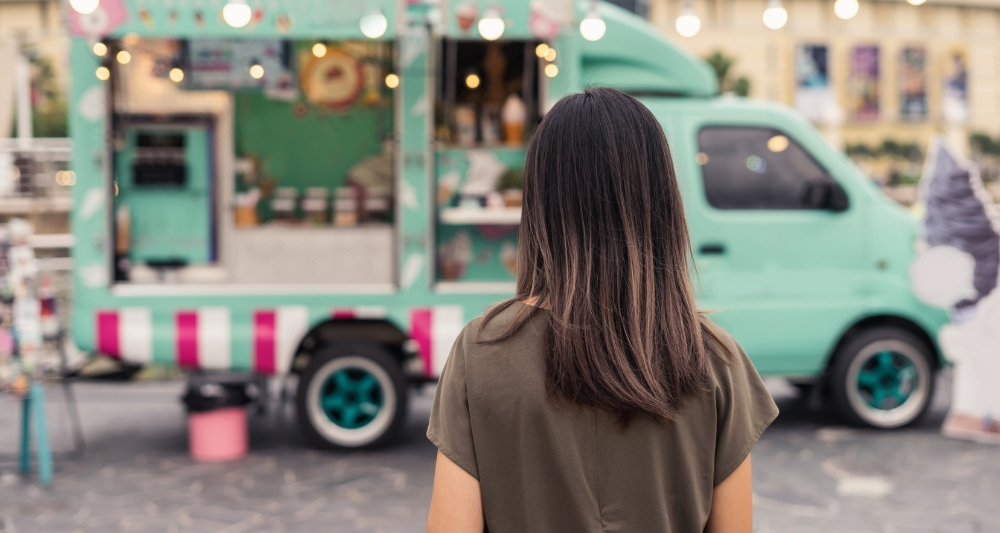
886,319
378,331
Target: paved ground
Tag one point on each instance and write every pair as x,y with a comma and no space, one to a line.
810,475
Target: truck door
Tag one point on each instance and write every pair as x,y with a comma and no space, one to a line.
778,243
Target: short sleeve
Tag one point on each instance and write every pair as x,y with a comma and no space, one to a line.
450,427
744,409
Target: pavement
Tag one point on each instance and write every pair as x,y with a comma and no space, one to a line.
811,474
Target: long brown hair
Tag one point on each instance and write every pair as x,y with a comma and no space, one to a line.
603,244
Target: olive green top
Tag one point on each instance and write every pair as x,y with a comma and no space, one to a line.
549,466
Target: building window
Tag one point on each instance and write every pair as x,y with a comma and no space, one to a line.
757,168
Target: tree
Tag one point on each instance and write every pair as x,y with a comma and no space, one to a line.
722,64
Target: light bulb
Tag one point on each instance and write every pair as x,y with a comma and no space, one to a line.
491,26
256,71
550,55
846,9
541,50
688,24
237,13
775,17
916,2
84,7
103,73
176,75
391,81
123,57
472,81
592,27
319,49
373,25
100,49
551,70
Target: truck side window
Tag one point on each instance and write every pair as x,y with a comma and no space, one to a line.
757,168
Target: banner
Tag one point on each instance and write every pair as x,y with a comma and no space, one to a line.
955,96
862,86
226,63
913,84
813,95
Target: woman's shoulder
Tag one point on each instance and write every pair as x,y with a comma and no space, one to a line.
726,358
497,323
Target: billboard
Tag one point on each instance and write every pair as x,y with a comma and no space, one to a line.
862,83
913,84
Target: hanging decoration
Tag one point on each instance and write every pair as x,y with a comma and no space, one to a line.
107,16
334,80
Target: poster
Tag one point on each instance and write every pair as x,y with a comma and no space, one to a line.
225,63
955,96
913,84
862,86
813,96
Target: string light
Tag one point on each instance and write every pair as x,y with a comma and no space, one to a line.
100,49
124,57
256,71
491,26
592,27
391,81
688,24
237,13
916,2
176,75
541,50
319,49
472,81
551,70
374,24
775,17
103,73
846,9
550,55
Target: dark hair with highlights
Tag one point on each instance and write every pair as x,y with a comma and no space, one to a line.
603,244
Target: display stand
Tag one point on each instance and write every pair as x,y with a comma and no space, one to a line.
33,409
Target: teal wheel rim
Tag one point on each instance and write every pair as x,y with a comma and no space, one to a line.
886,380
351,398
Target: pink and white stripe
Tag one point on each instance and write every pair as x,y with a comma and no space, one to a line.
435,329
203,338
126,334
363,311
276,336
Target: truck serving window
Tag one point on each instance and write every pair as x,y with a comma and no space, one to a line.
757,168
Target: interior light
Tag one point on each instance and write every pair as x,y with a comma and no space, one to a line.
84,7
391,81
472,81
916,2
176,75
592,27
550,55
688,24
775,17
846,9
374,24
551,70
319,49
100,49
65,178
256,71
491,26
103,73
131,38
777,144
702,158
237,13
541,50
124,57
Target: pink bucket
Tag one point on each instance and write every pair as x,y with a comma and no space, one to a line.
218,435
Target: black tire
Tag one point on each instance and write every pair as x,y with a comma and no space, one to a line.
865,392
358,364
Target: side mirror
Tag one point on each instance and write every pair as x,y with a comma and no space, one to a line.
826,195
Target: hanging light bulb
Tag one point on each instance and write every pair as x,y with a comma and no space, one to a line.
688,24
916,2
256,71
176,75
846,9
551,70
491,26
391,81
775,17
541,50
103,73
84,7
123,57
319,50
237,13
374,24
593,27
100,49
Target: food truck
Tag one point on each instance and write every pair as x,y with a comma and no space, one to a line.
332,189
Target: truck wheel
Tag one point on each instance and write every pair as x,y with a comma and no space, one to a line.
351,396
882,378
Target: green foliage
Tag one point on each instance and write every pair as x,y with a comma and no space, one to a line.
890,148
722,65
984,144
51,119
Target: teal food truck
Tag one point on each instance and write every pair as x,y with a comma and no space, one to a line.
331,190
